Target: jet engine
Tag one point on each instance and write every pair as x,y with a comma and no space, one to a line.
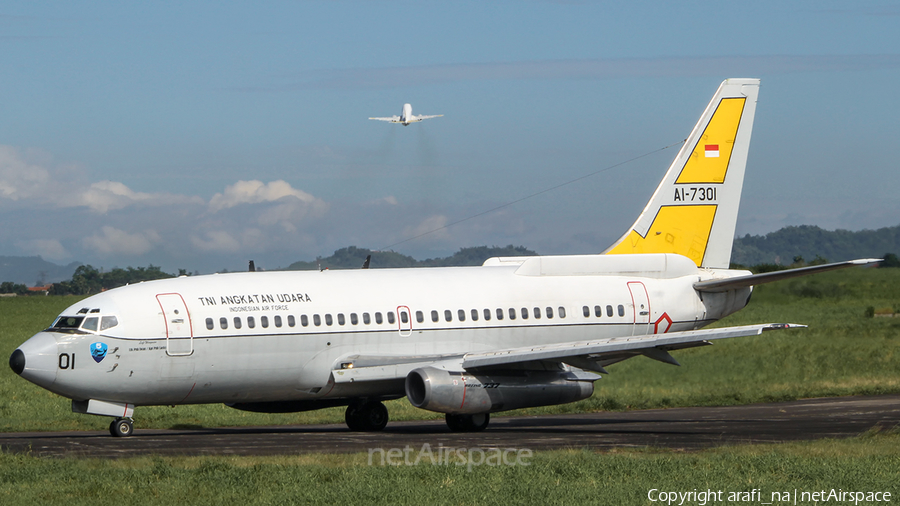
461,393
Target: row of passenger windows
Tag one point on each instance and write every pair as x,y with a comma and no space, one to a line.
598,311
461,315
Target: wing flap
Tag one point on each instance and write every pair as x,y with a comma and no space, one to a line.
596,350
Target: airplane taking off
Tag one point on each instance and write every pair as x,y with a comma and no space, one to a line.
465,341
406,116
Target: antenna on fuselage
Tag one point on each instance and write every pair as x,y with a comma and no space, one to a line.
366,263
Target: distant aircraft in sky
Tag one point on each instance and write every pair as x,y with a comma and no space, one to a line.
406,117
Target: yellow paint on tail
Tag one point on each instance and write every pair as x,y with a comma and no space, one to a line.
681,229
709,161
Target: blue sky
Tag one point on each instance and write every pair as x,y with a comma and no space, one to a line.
205,134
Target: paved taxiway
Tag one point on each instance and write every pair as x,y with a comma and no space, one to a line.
683,428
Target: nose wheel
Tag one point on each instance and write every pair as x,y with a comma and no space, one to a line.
121,427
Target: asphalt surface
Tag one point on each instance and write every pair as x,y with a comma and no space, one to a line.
676,428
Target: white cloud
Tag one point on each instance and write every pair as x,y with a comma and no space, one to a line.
431,227
113,241
103,196
48,249
217,241
255,192
18,178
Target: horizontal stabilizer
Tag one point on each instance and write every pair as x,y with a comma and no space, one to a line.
724,285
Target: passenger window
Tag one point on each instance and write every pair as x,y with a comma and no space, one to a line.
90,324
609,311
328,319
404,316
487,314
448,315
474,315
354,319
378,319
341,319
549,312
434,316
366,319
621,310
237,322
420,317
586,311
278,321
108,322
317,320
264,321
499,314
291,321
524,313
512,313
461,314
209,324
390,316
251,322
537,312
562,312
223,322
304,320
598,311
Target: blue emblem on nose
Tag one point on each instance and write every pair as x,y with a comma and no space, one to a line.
98,352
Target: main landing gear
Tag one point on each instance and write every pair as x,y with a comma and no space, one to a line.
366,416
121,427
468,423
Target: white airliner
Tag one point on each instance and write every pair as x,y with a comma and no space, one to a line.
464,341
406,116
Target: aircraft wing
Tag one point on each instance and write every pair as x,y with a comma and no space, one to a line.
589,355
420,118
392,119
592,355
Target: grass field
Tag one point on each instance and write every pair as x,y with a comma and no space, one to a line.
870,463
842,353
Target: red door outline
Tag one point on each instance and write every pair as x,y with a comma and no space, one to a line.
405,328
640,302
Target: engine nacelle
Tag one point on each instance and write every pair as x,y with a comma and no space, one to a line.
461,393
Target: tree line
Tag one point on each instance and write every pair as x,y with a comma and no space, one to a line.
89,280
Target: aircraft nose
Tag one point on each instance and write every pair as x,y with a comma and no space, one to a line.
36,359
17,361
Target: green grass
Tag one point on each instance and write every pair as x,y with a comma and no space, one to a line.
842,353
867,463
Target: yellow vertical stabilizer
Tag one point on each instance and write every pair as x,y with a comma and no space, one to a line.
694,209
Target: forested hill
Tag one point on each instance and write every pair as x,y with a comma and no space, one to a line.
33,271
809,241
353,258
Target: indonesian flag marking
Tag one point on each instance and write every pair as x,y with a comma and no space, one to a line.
712,150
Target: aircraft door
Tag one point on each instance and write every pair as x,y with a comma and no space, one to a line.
404,320
179,332
641,301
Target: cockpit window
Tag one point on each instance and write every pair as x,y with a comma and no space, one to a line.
108,322
90,324
68,322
